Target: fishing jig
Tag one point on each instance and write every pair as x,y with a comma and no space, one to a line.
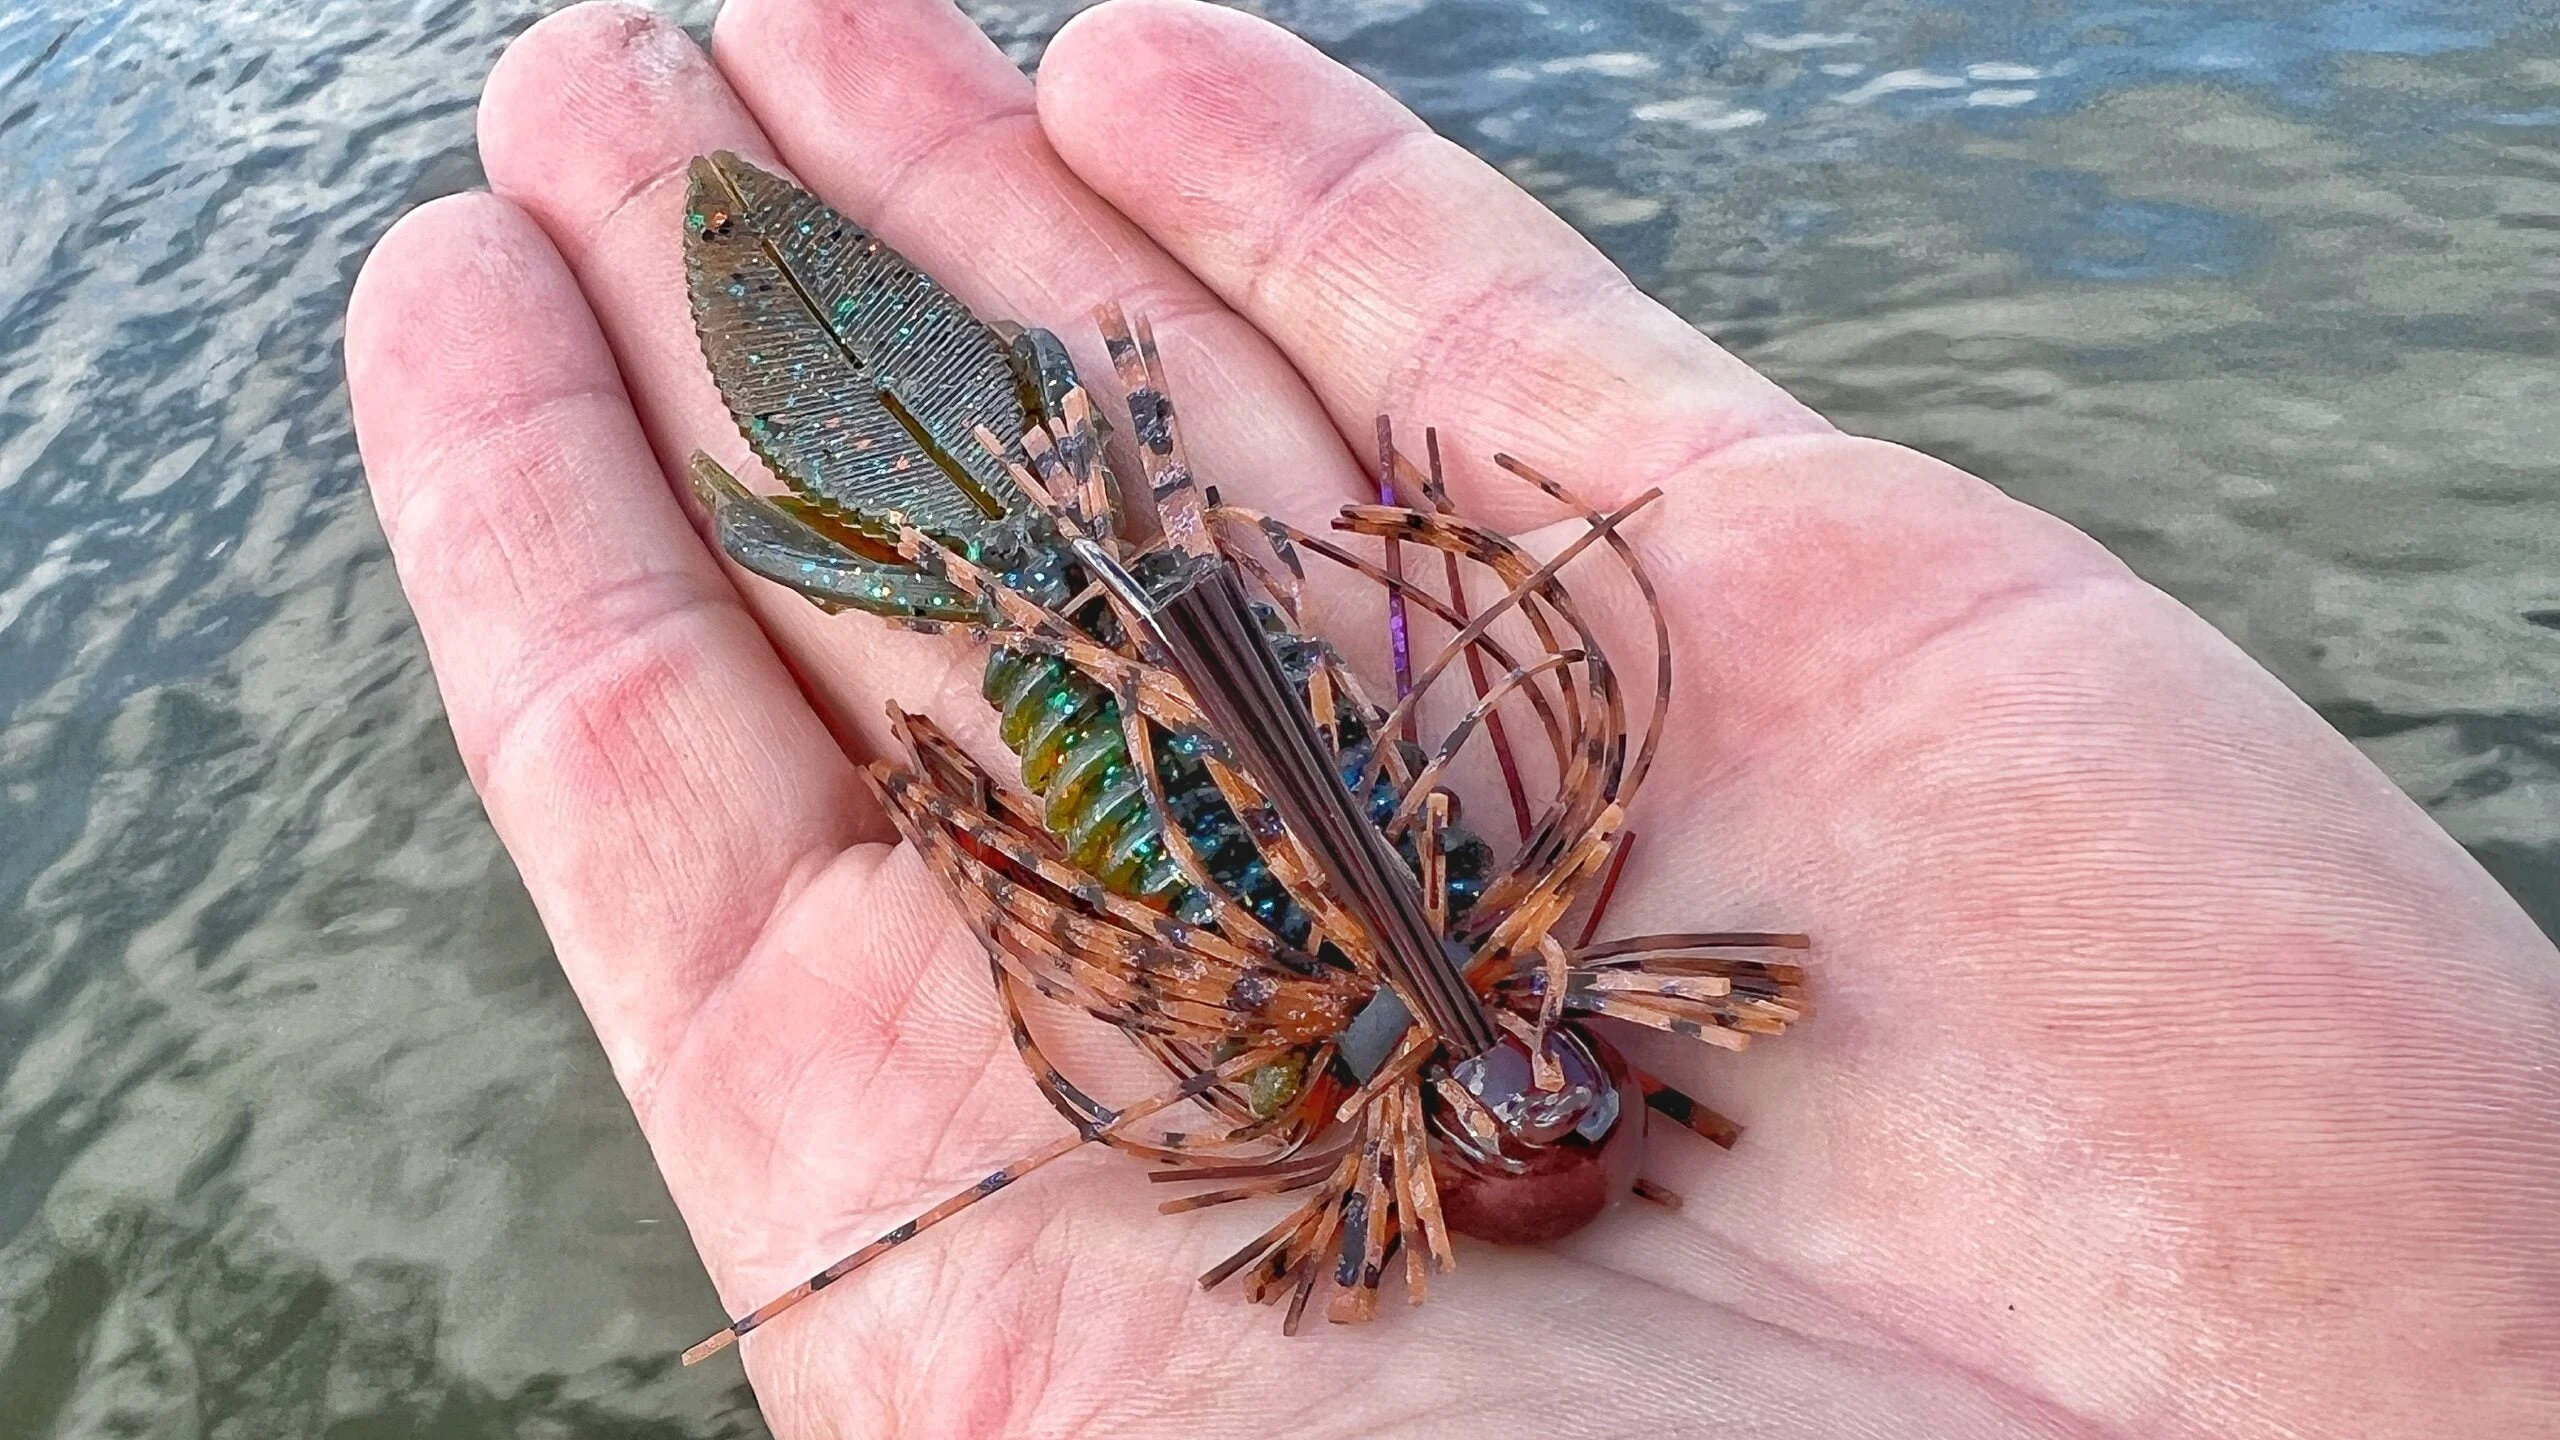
1220,843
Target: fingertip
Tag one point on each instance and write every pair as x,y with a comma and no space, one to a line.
900,65
1132,31
594,104
1158,31
387,280
473,238
461,288
1138,92
561,63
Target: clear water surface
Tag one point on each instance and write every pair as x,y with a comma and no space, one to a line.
301,1133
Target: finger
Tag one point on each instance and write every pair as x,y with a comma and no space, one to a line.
587,123
902,114
1401,274
654,774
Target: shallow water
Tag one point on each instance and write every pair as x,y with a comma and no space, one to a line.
300,1131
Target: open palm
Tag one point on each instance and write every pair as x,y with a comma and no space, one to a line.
2171,1073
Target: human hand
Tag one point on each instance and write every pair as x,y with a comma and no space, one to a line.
2171,1073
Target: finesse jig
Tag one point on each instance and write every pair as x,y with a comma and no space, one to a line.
1219,843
